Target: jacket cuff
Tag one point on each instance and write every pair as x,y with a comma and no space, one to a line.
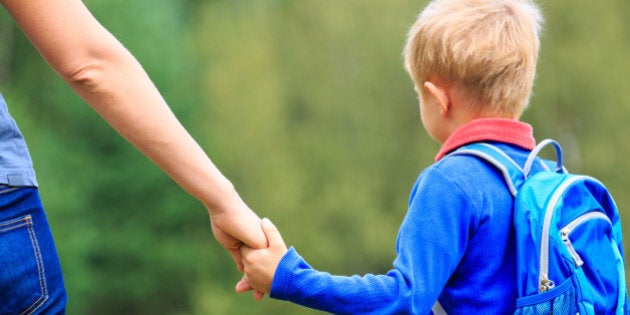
281,286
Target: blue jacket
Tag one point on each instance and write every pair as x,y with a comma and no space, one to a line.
455,250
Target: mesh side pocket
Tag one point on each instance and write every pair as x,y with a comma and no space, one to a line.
559,300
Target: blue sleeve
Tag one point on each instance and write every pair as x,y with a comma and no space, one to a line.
297,282
431,242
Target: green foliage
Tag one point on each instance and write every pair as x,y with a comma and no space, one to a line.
581,95
306,107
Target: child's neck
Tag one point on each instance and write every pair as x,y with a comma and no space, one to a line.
462,115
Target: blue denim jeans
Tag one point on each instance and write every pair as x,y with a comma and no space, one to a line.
30,274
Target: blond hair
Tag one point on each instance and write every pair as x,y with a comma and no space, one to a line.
488,48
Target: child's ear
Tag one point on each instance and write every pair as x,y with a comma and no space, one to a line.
440,93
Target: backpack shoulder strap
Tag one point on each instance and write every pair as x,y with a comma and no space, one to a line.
511,171
514,174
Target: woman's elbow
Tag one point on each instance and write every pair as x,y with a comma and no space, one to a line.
95,70
86,75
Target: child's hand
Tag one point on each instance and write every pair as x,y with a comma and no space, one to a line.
260,264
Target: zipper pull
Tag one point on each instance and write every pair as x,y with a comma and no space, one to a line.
546,284
564,234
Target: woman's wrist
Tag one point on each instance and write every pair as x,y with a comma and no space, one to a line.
222,198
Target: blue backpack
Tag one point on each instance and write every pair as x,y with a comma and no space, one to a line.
568,236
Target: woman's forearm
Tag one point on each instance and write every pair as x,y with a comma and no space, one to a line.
119,90
110,80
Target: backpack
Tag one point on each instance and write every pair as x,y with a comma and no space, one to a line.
568,236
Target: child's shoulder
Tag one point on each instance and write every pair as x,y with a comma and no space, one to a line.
461,182
471,172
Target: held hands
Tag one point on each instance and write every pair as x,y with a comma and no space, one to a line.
256,246
237,225
260,264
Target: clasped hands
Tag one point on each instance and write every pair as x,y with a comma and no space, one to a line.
255,245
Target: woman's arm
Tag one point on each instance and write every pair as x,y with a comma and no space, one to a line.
109,79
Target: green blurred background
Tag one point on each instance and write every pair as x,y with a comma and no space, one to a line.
306,107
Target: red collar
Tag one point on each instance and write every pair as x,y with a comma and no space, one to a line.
490,129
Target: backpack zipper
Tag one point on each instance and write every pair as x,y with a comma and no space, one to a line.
565,231
544,283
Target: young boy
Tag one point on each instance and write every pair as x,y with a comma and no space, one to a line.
473,64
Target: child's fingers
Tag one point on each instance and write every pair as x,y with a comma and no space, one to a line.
243,286
258,295
272,233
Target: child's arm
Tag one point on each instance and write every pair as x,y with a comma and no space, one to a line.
260,264
284,275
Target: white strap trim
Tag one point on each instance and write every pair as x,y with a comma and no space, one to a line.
502,169
437,309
